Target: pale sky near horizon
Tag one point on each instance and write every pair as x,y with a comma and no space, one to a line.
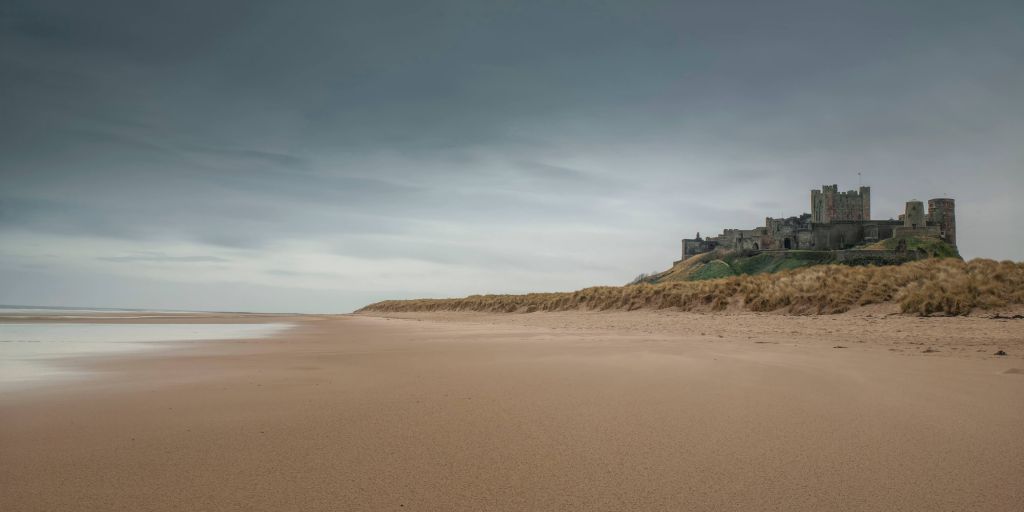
318,156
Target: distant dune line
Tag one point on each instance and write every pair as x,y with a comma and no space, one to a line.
934,286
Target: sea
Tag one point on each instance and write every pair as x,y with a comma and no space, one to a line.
32,353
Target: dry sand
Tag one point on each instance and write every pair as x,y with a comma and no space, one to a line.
561,411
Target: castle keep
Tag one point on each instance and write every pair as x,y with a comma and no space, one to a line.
838,221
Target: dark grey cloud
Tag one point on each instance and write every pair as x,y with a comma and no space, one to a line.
461,133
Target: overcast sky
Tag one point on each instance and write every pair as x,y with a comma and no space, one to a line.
318,156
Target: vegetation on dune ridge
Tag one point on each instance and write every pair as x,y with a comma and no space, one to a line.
934,286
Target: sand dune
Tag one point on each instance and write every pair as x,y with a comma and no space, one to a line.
945,286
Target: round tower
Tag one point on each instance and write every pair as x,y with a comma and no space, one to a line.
941,213
914,216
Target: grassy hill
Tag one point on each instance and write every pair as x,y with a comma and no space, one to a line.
718,264
931,286
723,263
933,247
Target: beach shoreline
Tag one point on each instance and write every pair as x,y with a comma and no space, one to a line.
542,411
41,350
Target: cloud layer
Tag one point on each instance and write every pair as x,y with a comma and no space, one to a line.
367,150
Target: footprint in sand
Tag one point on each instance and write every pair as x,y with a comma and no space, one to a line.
1016,371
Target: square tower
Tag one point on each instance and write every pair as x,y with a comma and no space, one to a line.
942,213
829,204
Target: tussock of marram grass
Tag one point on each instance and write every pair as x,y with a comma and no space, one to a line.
934,286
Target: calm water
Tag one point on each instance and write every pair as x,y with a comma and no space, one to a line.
37,311
28,350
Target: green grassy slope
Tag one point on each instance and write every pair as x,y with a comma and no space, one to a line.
934,247
719,264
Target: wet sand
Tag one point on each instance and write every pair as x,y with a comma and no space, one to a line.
584,411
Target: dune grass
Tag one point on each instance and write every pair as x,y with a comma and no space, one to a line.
934,286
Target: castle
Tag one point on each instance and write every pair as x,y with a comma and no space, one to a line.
838,220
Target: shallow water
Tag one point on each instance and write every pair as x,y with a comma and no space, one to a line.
37,311
28,352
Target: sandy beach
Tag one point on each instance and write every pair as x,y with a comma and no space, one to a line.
543,411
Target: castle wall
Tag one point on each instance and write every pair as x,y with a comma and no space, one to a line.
865,203
855,257
870,232
805,239
793,233
835,236
908,232
741,239
693,246
788,233
880,229
789,237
